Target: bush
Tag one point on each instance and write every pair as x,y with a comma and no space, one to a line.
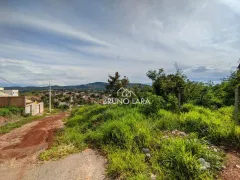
185,108
172,103
5,112
10,111
156,103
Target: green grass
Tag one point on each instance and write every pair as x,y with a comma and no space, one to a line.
10,111
122,131
24,120
58,152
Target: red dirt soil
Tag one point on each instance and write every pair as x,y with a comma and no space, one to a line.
3,120
232,170
29,139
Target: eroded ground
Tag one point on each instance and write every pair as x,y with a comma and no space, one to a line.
20,148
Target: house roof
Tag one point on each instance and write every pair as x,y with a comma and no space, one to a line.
28,101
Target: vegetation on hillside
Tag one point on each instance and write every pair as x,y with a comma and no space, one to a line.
122,133
178,136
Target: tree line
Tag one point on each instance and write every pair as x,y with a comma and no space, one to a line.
179,88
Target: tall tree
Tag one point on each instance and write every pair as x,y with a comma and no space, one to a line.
163,84
115,83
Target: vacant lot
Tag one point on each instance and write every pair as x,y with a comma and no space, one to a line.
162,145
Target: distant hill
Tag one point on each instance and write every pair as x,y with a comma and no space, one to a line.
96,86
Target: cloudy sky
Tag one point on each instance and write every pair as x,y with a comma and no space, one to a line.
81,41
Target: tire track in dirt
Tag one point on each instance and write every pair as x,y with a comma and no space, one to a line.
28,140
21,146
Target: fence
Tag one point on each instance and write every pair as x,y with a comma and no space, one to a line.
19,101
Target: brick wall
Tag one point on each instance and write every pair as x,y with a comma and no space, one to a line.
13,101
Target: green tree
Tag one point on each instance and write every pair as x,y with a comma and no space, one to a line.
115,83
163,84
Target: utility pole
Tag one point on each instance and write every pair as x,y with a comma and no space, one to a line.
50,100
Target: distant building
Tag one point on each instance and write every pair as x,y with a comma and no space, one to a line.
3,94
11,92
6,93
11,98
33,108
63,104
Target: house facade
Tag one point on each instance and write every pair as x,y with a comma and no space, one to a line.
11,98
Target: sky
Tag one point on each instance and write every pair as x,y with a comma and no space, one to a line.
82,41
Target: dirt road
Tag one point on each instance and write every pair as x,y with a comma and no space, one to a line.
232,170
20,148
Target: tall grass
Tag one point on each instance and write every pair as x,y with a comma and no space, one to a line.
121,132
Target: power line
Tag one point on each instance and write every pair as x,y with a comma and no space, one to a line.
10,82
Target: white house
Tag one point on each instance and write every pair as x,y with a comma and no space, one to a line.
8,92
11,92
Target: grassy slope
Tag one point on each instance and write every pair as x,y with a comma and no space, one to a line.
122,132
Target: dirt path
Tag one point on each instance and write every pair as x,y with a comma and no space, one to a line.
232,170
30,138
20,148
87,165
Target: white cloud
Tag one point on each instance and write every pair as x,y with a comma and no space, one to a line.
155,35
55,26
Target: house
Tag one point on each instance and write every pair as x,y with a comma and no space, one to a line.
6,93
11,92
11,98
33,108
63,104
3,94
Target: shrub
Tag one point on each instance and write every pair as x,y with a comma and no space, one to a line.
172,103
156,103
10,111
5,112
185,108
